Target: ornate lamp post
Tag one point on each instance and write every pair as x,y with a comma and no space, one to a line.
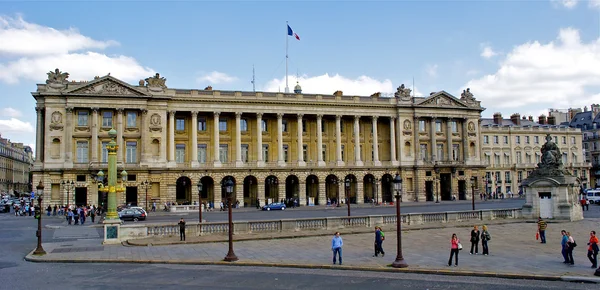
200,200
112,189
68,185
231,257
376,191
348,194
473,191
147,185
435,180
399,262
39,250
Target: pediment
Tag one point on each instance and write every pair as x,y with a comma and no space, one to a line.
442,99
106,86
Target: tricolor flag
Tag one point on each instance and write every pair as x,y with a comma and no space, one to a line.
292,33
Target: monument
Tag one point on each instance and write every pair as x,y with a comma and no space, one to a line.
551,191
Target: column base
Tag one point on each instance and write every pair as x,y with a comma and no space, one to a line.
239,163
195,164
68,164
377,163
340,163
171,164
321,163
217,164
281,163
395,163
260,164
359,163
301,164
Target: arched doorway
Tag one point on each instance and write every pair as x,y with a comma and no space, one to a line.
183,192
224,192
208,194
271,189
351,192
312,190
387,187
292,187
251,191
331,188
369,188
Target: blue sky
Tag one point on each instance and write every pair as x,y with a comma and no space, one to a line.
516,56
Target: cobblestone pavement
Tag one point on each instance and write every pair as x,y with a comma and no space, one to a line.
513,250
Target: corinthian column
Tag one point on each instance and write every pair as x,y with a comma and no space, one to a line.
69,137
338,140
433,141
171,162
280,160
376,161
259,145
120,135
194,158
300,143
94,141
238,139
320,161
216,141
357,160
449,139
39,138
393,141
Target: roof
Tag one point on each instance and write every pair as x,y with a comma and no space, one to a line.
509,122
584,118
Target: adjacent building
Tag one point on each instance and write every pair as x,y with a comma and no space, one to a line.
511,150
313,148
588,121
16,161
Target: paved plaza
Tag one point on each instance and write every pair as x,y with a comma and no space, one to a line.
513,250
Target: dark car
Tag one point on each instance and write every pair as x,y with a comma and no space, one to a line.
132,215
274,205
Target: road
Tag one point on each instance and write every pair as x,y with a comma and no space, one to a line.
311,212
17,237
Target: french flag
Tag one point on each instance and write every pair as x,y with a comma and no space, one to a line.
292,33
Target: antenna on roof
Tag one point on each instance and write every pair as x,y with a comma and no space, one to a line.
253,80
413,90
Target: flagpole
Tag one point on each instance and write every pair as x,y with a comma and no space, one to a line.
287,89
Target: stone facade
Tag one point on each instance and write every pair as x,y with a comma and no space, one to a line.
267,142
16,162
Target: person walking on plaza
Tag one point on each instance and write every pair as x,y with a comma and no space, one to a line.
154,206
542,229
485,237
454,248
336,246
181,230
93,213
474,240
570,246
593,249
563,244
379,238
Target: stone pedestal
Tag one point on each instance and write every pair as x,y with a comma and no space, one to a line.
112,233
552,197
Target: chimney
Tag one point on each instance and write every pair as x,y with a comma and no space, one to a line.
551,120
524,117
497,118
531,118
595,109
542,119
209,88
516,119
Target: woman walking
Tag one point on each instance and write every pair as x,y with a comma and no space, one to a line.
570,246
485,237
474,240
454,248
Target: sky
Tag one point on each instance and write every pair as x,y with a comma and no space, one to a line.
516,56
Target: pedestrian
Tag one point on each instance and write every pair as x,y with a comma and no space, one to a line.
542,225
70,216
93,214
563,245
587,204
181,230
49,209
379,238
474,240
571,244
154,206
485,237
336,246
54,210
455,246
593,249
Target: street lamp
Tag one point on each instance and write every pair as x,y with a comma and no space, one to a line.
147,185
231,257
376,181
473,191
200,200
38,215
399,262
68,185
435,180
348,194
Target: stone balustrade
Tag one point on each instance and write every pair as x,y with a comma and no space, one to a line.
137,231
185,208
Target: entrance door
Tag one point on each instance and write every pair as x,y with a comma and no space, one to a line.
462,190
545,205
428,190
80,196
131,196
446,186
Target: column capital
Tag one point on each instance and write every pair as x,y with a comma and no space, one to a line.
216,113
120,110
375,118
338,117
95,109
300,116
238,114
171,113
319,116
39,109
194,113
279,115
144,111
392,118
69,109
356,117
416,118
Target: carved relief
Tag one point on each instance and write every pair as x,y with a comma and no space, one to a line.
57,79
407,125
403,93
471,127
155,123
441,101
156,83
107,88
56,121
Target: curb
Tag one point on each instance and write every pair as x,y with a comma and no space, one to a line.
31,258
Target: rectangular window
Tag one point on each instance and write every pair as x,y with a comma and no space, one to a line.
536,139
564,158
505,139
506,159
107,119
180,153
265,152
564,140
285,153
455,152
243,125
519,176
526,139
304,129
82,118
264,126
202,153
423,152
104,152
519,158
454,127
574,159
305,152
131,119
518,139
131,152
528,158
343,156
537,158
179,124
486,139
438,126
223,153
507,176
440,152
323,125
324,152
422,126
488,159
245,153
573,140
495,139
202,124
82,152
496,159
222,124
284,126
498,177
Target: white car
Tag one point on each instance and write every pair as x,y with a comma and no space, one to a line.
140,209
593,195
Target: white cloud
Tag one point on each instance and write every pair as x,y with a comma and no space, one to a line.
550,75
487,52
10,113
32,50
432,70
14,125
570,4
216,77
594,3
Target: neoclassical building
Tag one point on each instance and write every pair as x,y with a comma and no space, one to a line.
16,162
273,146
511,150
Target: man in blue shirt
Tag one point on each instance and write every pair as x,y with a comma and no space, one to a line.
336,246
563,243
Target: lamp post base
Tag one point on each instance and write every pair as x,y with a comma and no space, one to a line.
231,257
39,251
399,263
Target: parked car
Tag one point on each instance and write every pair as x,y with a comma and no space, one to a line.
593,195
132,214
274,205
140,209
